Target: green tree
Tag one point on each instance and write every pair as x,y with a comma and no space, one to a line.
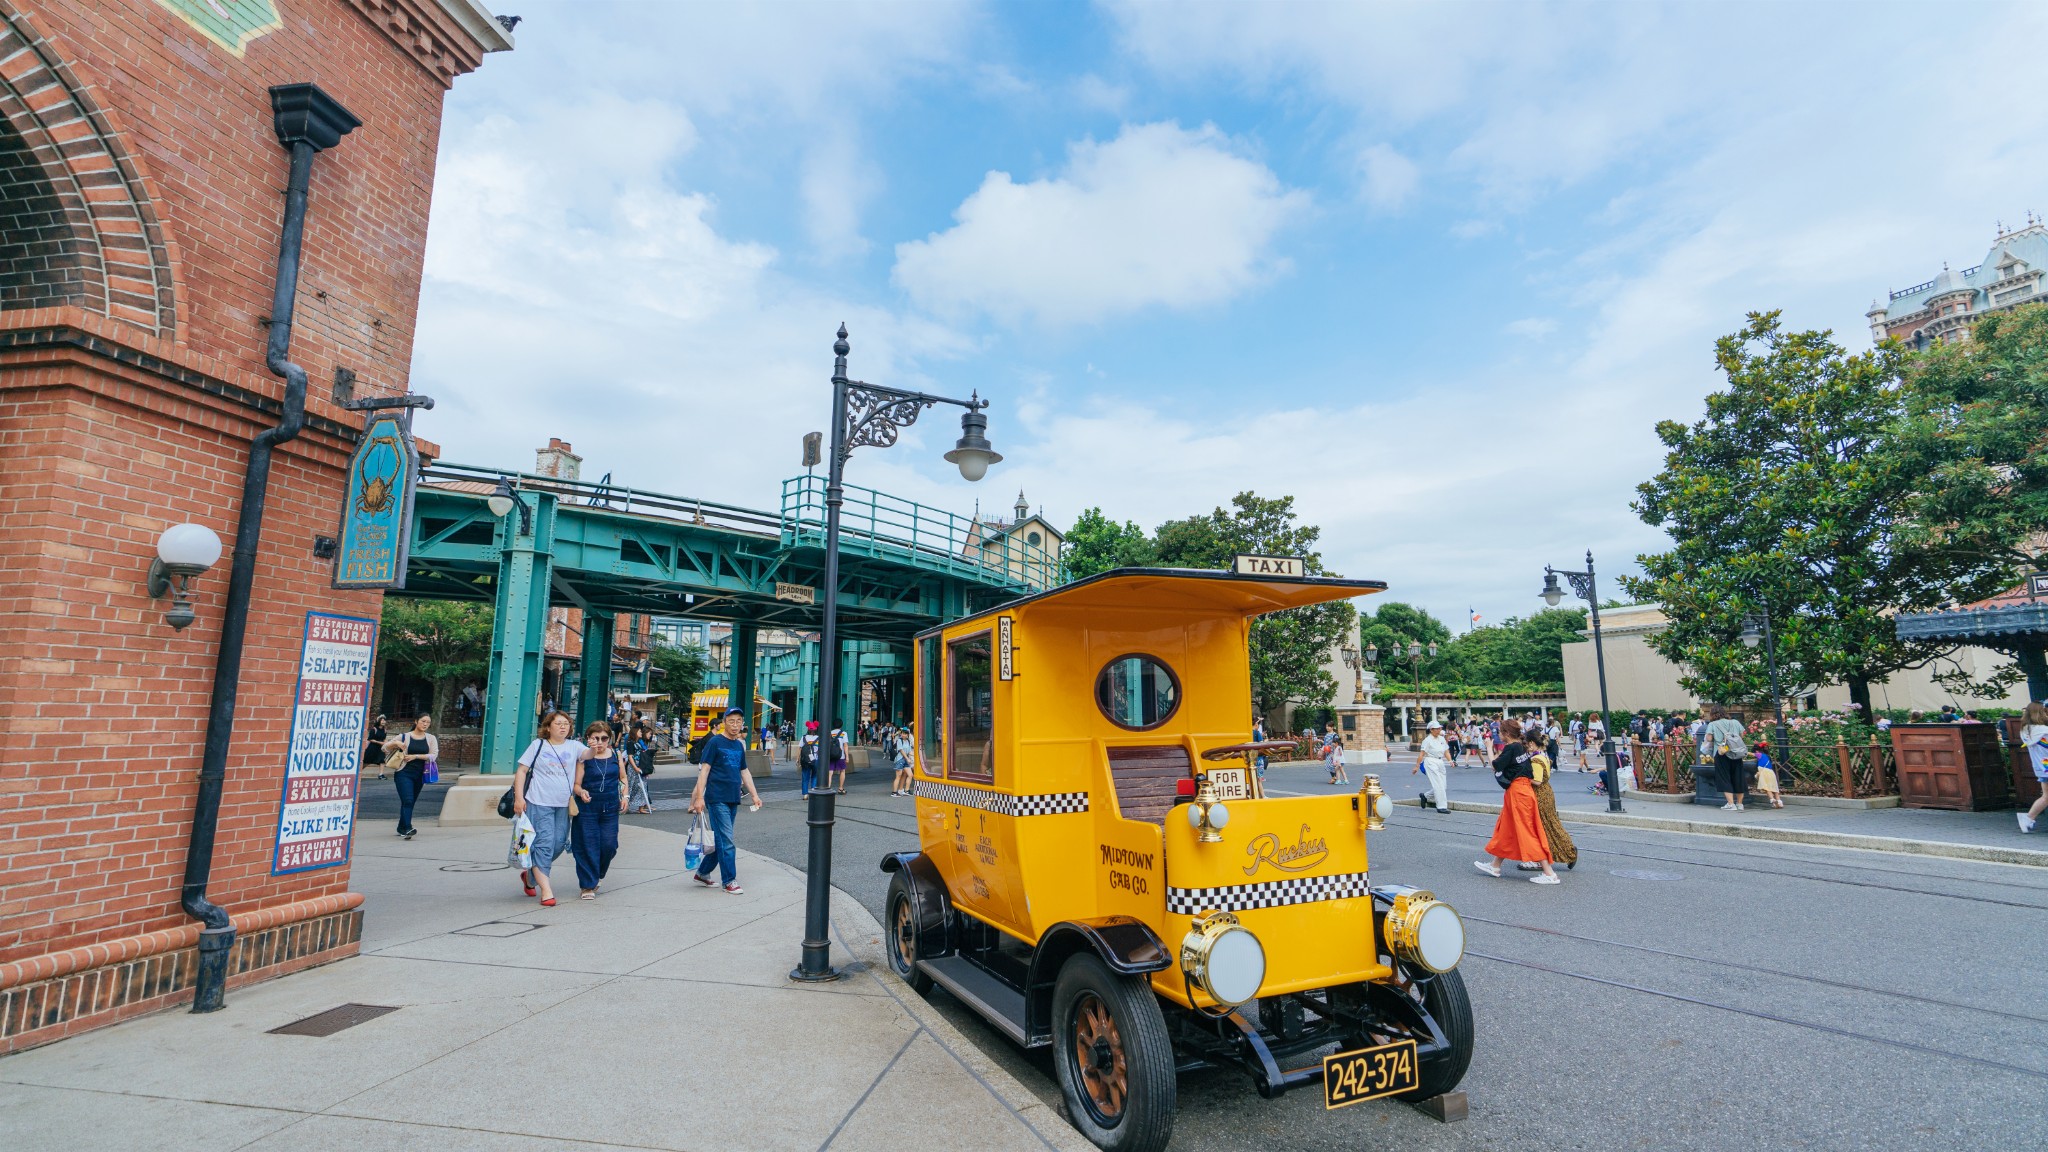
1192,543
1792,495
1097,544
683,668
1516,655
1976,423
1287,648
443,642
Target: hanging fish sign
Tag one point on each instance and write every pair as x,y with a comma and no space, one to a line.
376,511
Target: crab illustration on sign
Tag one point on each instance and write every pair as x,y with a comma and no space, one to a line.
228,23
376,512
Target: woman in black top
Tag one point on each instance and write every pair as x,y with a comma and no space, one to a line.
411,776
373,753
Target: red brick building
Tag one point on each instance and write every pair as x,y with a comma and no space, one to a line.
141,207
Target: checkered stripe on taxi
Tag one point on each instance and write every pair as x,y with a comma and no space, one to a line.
1272,894
1003,804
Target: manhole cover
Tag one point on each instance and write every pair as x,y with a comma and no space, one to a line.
1645,874
496,928
474,867
333,1020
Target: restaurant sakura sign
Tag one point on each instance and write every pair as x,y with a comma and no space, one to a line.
329,716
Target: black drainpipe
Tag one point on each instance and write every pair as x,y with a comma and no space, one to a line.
308,121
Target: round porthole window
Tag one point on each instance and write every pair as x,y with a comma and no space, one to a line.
1034,539
1137,691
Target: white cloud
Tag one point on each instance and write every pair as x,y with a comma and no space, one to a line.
1387,179
1532,327
837,183
1158,216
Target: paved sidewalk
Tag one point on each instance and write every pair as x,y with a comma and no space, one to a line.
1988,836
657,1016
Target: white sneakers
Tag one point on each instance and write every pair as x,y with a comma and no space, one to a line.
1489,869
1729,808
2026,825
1546,878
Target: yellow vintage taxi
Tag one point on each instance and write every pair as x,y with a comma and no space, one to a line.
1100,871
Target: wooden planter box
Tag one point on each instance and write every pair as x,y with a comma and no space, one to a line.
1954,766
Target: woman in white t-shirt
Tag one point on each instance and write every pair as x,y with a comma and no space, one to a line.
541,789
2034,736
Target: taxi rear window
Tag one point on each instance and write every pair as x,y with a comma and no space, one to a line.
970,704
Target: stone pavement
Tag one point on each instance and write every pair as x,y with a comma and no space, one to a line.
1988,836
657,1016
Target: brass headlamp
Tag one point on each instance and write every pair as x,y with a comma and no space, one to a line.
1223,959
1425,931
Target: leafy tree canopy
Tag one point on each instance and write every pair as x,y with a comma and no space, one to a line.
443,642
1976,422
683,668
1800,495
1097,544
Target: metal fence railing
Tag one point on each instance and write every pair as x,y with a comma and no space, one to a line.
878,524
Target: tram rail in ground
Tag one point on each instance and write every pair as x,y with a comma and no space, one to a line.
1778,863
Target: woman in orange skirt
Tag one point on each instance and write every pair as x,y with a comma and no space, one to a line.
1518,834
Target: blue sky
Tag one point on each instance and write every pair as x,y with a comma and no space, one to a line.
1434,270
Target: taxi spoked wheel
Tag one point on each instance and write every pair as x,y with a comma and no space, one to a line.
1113,1056
1443,997
900,936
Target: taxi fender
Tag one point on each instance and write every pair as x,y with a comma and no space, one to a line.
929,901
1126,944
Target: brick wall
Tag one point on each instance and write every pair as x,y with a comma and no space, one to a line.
128,405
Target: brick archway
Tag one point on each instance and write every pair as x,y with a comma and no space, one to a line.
76,225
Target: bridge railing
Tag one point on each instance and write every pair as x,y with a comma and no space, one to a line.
878,524
597,494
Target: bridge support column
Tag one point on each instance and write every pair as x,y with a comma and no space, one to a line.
518,646
806,685
746,659
594,684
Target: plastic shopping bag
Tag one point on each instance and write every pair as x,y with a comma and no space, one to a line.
520,855
697,843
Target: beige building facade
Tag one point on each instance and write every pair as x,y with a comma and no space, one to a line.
1638,678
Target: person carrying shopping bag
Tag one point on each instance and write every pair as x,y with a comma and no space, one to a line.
541,790
717,795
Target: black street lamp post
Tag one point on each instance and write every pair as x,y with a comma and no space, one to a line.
1415,665
1757,628
1582,586
863,415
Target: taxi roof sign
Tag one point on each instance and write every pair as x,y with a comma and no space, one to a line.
1250,565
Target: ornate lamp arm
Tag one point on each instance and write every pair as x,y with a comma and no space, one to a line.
875,414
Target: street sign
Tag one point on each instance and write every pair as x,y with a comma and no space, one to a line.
796,593
2037,584
376,507
316,816
1267,566
1005,668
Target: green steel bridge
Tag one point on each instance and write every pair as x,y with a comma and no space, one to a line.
604,549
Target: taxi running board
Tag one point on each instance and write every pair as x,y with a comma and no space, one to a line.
988,994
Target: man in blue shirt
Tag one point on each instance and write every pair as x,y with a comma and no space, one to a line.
717,794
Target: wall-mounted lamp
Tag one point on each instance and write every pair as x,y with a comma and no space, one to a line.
182,552
502,501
